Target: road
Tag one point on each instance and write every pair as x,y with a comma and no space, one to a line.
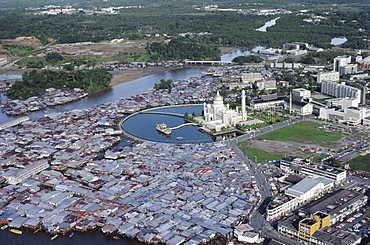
256,220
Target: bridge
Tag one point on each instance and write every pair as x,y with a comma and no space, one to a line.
208,62
162,113
13,122
183,125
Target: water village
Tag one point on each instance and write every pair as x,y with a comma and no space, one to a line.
60,174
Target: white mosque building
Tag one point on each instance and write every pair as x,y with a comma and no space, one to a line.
218,116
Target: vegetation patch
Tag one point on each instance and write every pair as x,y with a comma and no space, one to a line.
303,132
17,49
259,155
360,163
34,82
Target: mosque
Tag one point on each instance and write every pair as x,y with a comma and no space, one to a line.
218,116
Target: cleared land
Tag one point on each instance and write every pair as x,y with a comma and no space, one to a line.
303,139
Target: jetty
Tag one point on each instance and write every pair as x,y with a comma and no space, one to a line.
163,127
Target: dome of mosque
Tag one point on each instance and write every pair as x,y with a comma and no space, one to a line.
218,98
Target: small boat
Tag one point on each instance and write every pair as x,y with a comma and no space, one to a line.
37,230
16,231
71,235
179,138
116,237
4,227
54,237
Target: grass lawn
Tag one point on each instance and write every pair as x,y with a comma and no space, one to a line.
262,156
360,163
303,132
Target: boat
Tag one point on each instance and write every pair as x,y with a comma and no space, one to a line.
4,227
37,230
54,237
71,235
16,231
162,127
179,138
116,237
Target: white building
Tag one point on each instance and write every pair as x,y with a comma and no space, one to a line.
329,76
309,188
218,116
341,61
299,102
348,69
340,90
286,65
296,52
300,193
265,84
245,233
334,174
27,172
251,77
3,61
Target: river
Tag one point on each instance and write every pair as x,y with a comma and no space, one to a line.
119,91
126,89
267,24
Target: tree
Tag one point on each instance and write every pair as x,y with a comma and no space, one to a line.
164,84
53,57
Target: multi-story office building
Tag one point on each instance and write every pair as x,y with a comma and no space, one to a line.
334,174
329,76
341,61
340,90
312,226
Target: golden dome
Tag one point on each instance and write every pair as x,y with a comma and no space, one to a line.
218,97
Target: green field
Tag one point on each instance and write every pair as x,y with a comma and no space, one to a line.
258,155
303,132
360,163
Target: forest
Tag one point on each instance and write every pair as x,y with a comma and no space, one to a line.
179,30
179,49
34,83
171,18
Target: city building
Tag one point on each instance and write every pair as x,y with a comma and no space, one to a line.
296,52
3,61
246,233
313,222
297,195
285,65
349,115
265,84
299,102
341,61
309,188
340,90
218,116
329,76
267,101
348,69
297,166
21,174
250,78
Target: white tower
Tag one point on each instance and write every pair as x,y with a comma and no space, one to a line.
244,113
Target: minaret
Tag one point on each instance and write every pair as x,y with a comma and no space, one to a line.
290,102
244,113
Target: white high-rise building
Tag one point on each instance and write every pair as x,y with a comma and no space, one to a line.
341,61
340,90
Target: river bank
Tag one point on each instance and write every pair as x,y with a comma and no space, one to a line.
135,73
